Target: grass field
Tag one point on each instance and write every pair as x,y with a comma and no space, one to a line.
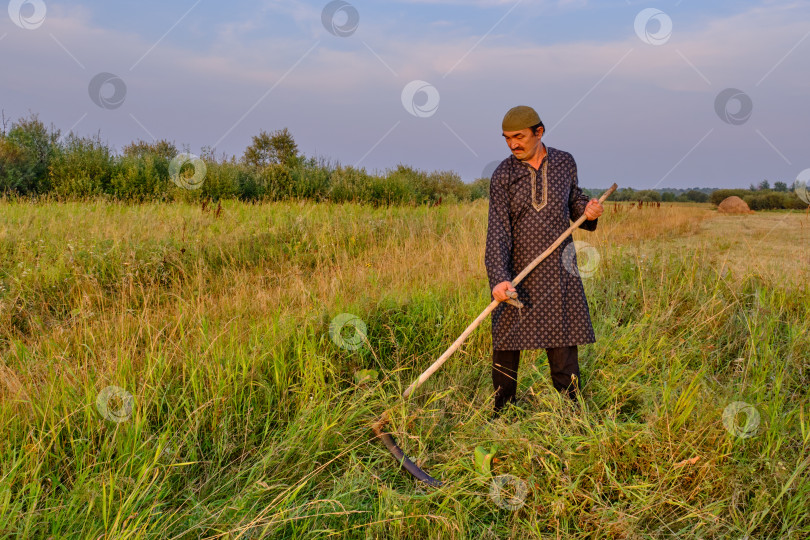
167,373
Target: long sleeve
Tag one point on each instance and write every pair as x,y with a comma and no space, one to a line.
578,201
498,255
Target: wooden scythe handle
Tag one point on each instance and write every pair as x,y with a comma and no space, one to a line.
456,344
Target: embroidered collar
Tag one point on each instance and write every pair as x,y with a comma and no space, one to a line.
538,205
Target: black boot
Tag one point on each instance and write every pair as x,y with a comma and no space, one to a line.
564,366
504,378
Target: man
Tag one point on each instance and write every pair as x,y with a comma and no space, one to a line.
534,194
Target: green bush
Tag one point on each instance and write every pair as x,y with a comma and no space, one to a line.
309,181
451,187
11,166
82,167
346,184
141,178
719,195
423,188
793,202
394,189
480,189
26,152
223,179
774,200
161,148
764,201
696,196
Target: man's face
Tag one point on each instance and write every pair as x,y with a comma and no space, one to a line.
524,144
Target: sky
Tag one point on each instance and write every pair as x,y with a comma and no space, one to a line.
673,94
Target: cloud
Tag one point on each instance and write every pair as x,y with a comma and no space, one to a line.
343,96
470,3
492,3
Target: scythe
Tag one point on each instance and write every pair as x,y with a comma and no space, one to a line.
378,426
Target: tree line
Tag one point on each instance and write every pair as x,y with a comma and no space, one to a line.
37,161
761,197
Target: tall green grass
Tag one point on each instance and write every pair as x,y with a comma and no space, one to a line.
247,420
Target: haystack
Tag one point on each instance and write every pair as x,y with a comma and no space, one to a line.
734,205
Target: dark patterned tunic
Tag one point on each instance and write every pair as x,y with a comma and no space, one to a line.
525,218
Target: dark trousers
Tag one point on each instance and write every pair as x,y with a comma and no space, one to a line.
562,361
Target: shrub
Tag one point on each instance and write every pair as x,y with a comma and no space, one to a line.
25,156
451,186
276,182
393,189
248,188
696,196
311,180
223,180
774,200
719,195
480,189
82,167
11,166
423,188
140,178
347,184
161,148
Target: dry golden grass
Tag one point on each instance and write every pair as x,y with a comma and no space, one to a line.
772,245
